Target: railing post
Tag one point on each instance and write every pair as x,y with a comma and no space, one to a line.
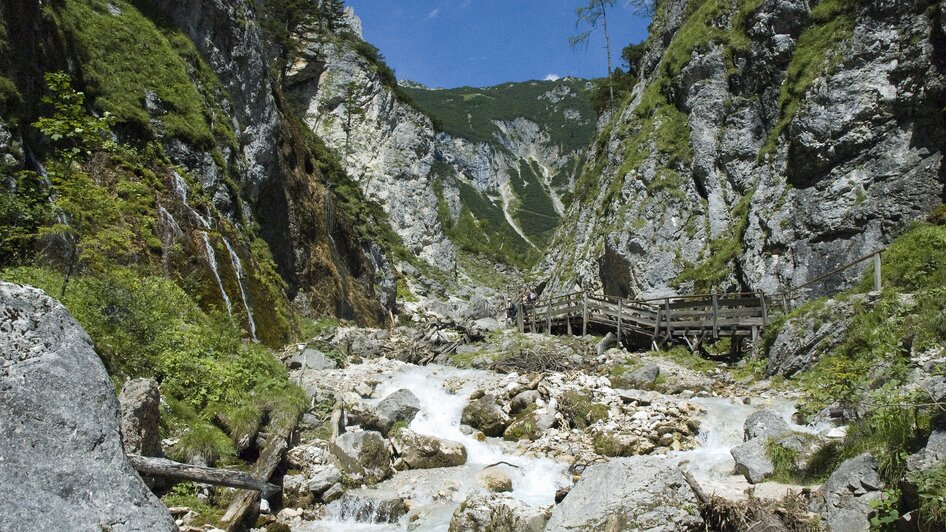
520,318
568,315
667,312
765,310
620,314
548,318
715,316
877,282
584,314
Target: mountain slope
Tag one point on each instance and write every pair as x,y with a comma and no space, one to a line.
767,142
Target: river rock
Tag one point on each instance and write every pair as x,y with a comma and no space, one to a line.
419,451
485,414
752,461
365,453
140,403
764,423
523,400
637,493
321,478
304,457
644,376
494,479
617,443
496,512
63,463
401,405
845,502
313,359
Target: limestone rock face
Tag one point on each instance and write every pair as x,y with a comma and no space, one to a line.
805,338
641,492
140,402
795,191
63,463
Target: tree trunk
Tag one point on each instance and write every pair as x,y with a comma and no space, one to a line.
160,467
607,44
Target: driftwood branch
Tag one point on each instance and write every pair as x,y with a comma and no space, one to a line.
163,468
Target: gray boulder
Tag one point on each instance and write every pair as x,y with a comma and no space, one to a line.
321,478
63,463
140,403
313,359
364,453
636,493
845,502
401,405
752,461
765,423
643,376
419,451
485,414
804,339
496,512
523,400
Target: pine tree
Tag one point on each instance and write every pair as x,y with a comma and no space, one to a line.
332,14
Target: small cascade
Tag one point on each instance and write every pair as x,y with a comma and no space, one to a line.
212,260
182,191
238,268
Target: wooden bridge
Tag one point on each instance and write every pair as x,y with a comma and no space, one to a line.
689,318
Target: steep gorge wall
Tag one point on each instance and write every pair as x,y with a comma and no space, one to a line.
237,202
767,142
401,159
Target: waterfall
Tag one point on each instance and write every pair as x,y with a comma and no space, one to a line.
182,191
212,260
238,268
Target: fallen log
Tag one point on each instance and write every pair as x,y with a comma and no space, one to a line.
163,468
264,467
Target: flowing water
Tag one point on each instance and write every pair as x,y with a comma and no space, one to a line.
212,260
535,480
238,269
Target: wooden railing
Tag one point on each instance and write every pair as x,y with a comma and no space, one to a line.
734,315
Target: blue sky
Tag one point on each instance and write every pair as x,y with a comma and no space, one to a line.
453,43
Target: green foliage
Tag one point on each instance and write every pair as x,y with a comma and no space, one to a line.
784,460
24,208
11,102
471,113
931,487
185,494
718,259
580,411
72,129
886,510
125,57
148,326
202,442
535,211
913,262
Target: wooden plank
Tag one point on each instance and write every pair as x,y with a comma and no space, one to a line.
715,316
163,468
264,467
584,314
667,311
519,318
620,316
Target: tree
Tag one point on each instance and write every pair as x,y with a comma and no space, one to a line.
87,216
591,15
332,14
632,55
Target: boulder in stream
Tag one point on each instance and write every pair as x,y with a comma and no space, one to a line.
364,453
63,463
494,479
400,406
140,402
495,512
752,461
419,451
485,414
639,493
765,423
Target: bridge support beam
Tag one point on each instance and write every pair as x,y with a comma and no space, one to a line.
584,314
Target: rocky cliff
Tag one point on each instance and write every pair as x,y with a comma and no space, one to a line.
443,182
233,199
767,142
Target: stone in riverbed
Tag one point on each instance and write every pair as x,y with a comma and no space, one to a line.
637,493
496,512
523,400
401,405
362,453
311,359
642,377
419,451
765,423
486,415
752,461
494,479
63,463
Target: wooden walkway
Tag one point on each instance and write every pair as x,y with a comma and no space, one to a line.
690,318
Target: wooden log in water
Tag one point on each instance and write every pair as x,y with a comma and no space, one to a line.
163,468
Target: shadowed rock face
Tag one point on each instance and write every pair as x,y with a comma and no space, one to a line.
786,193
63,464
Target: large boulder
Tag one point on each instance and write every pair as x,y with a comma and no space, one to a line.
365,453
419,451
637,493
63,463
804,339
401,405
765,423
845,502
486,415
313,359
752,461
494,479
496,512
140,404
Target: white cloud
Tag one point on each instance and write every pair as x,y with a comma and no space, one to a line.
433,14
553,77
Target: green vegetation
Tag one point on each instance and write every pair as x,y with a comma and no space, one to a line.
126,58
144,325
718,258
580,411
469,112
534,211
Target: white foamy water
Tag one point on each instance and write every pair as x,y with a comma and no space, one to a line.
534,480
